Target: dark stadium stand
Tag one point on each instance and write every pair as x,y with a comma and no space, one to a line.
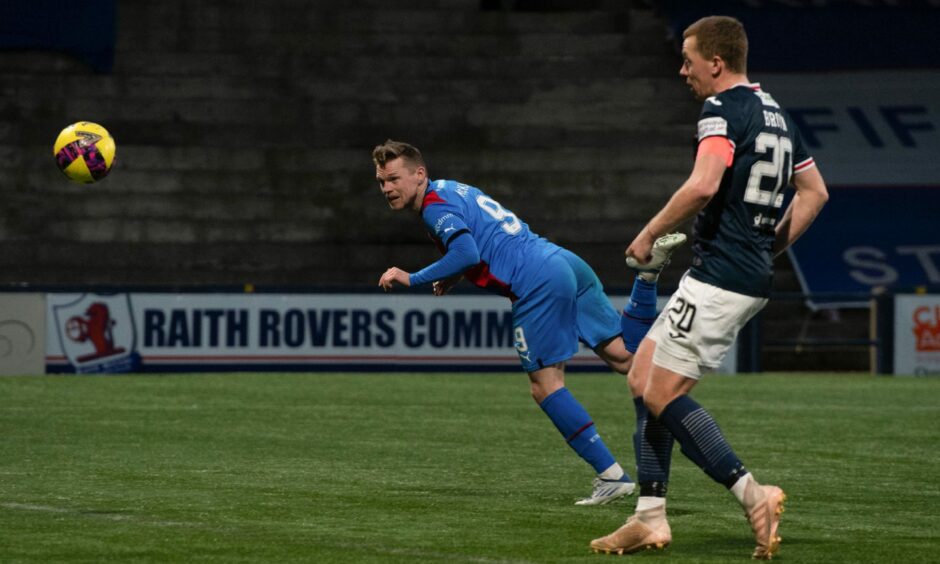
244,135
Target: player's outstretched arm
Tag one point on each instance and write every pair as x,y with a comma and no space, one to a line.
394,275
811,196
462,253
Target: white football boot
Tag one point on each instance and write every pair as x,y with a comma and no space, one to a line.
606,491
661,251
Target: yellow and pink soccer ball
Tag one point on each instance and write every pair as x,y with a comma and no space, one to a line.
84,152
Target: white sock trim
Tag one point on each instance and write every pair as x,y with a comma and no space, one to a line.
644,503
614,472
740,487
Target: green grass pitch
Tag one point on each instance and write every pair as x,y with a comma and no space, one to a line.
442,468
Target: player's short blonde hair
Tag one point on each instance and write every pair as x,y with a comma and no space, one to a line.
391,150
723,36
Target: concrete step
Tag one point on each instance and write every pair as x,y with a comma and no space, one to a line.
179,264
92,215
388,43
358,181
299,117
337,66
302,160
569,102
273,263
193,220
250,18
432,138
41,62
623,92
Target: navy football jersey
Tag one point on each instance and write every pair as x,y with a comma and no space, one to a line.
511,255
733,236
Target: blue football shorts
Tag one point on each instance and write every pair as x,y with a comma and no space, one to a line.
566,305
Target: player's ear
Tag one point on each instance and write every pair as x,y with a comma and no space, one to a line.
717,65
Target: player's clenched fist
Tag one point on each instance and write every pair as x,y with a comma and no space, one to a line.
394,274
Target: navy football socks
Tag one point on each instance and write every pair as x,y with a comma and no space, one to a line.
653,448
701,440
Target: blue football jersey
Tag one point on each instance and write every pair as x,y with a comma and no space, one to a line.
511,255
733,237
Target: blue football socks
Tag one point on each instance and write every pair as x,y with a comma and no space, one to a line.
576,426
701,440
638,316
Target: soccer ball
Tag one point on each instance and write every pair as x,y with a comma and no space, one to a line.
84,152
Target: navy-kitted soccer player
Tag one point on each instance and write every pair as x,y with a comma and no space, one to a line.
556,297
749,150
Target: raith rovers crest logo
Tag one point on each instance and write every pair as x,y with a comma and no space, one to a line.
97,333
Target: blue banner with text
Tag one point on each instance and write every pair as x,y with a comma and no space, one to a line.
871,237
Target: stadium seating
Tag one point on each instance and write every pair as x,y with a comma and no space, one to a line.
244,136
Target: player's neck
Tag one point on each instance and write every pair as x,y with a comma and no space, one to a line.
419,199
728,81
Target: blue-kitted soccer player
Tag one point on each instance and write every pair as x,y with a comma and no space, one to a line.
556,297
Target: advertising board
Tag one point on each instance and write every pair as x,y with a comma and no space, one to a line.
165,332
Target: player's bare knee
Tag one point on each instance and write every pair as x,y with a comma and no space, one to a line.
636,381
546,381
656,399
535,388
655,405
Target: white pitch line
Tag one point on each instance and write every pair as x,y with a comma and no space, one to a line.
97,515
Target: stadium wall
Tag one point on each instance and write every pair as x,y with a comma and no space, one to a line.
132,331
227,330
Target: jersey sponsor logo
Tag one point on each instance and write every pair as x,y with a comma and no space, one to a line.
764,221
440,221
712,126
713,100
